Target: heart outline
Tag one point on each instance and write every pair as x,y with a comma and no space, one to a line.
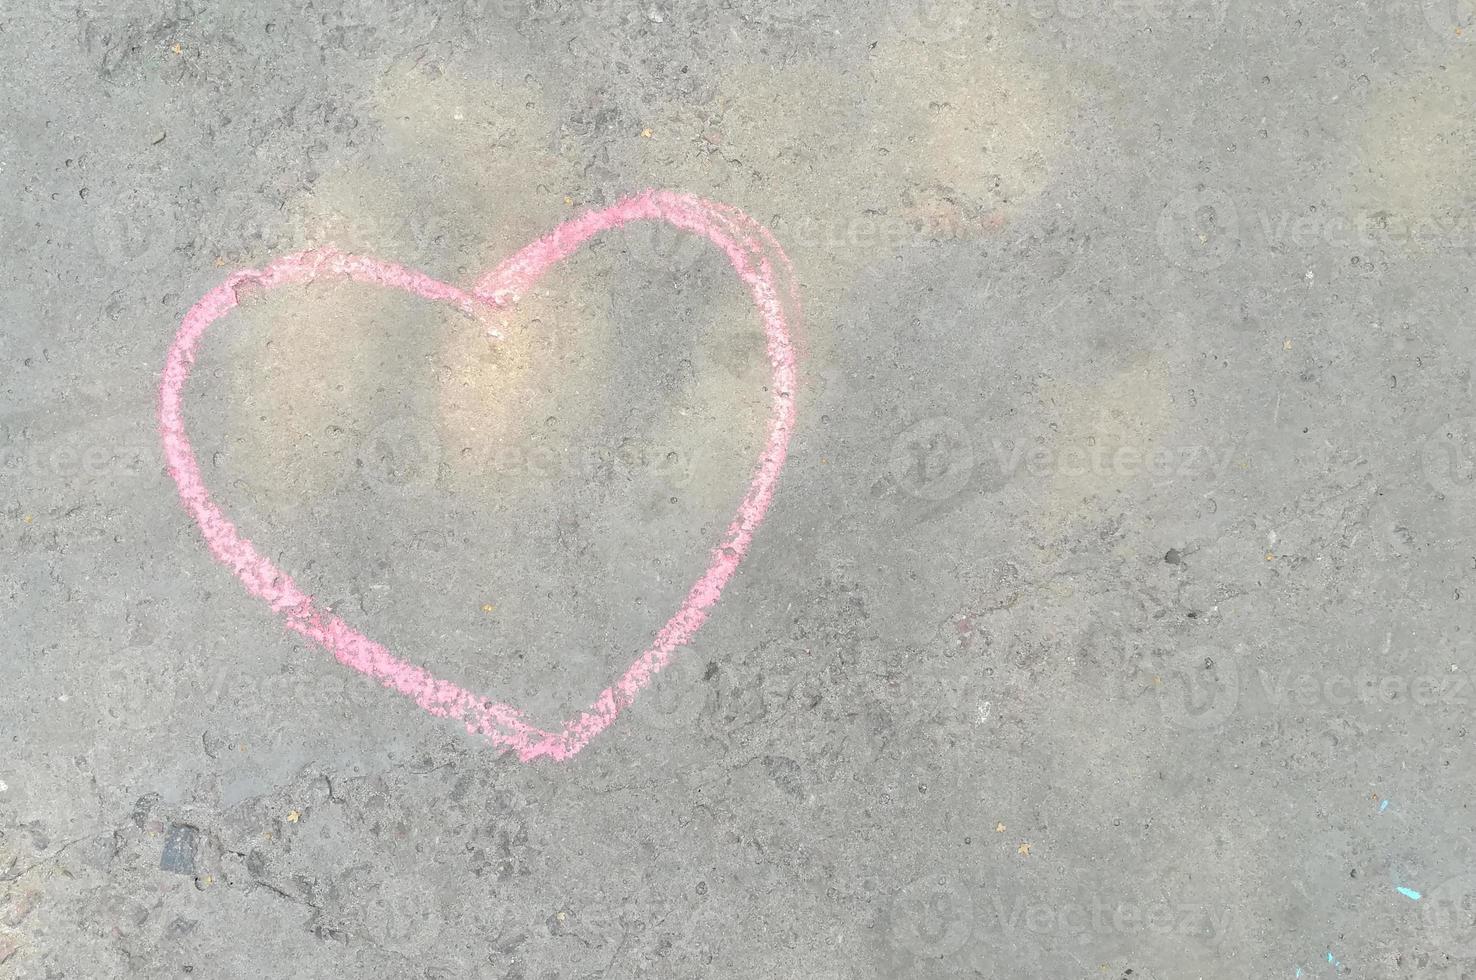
752,251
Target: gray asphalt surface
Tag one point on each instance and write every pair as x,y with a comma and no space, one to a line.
1112,619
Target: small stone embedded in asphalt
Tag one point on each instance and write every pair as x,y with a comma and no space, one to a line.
179,850
143,807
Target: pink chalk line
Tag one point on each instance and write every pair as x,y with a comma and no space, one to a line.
754,255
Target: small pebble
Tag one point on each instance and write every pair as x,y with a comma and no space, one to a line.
178,856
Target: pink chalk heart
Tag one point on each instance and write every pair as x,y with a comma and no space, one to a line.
754,255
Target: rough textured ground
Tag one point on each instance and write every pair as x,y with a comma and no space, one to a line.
1114,615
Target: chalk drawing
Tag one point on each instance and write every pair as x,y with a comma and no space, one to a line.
760,263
